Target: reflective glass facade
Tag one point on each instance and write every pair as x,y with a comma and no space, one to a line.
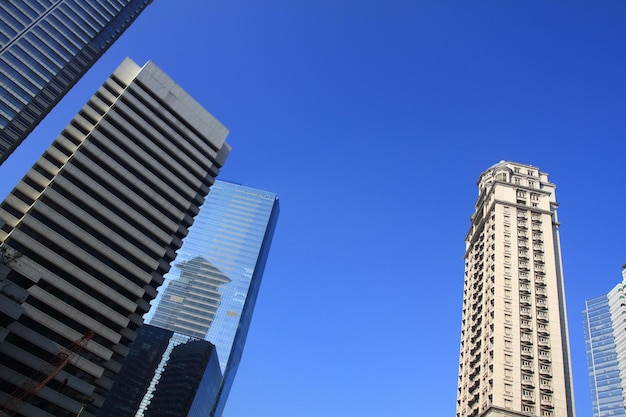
192,300
45,47
605,341
212,289
180,373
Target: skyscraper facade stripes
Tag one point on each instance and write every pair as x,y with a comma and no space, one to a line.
514,358
213,288
89,234
605,342
45,48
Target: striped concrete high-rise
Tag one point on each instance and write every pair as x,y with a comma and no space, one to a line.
89,233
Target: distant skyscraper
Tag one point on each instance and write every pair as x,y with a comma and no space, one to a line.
213,288
90,233
515,357
605,340
45,48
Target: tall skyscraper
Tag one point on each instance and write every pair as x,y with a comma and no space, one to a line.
605,340
212,289
89,234
45,47
515,358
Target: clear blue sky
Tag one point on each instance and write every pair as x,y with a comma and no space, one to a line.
372,120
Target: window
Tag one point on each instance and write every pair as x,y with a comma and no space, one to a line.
517,181
534,196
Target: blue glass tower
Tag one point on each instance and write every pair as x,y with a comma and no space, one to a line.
45,48
211,292
605,341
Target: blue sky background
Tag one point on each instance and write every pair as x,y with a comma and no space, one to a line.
372,121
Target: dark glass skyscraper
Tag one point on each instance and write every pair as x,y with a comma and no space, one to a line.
181,374
45,48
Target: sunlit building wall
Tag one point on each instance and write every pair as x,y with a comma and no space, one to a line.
45,48
514,356
90,232
605,340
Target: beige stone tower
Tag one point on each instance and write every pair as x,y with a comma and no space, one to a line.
515,358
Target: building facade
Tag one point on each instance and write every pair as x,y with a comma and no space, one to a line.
45,48
193,299
212,290
89,234
181,373
514,358
605,341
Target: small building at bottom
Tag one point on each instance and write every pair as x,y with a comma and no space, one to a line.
165,374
